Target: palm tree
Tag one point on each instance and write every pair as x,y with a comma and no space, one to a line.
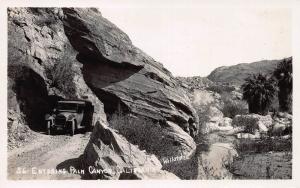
259,91
284,75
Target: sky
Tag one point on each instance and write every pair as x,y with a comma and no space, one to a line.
193,39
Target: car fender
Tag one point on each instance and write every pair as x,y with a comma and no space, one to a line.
79,118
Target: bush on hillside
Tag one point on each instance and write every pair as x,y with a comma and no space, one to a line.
138,131
61,75
231,107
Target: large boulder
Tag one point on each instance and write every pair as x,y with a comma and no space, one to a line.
214,121
177,142
253,122
164,139
110,156
126,79
122,75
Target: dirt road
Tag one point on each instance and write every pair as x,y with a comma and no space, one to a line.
48,157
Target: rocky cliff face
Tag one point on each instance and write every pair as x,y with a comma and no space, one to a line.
121,75
42,65
72,53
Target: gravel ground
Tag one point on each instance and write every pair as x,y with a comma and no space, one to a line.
41,158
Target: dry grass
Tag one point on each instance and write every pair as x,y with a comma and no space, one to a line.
263,145
277,165
266,158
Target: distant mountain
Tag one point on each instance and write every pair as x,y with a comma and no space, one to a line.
236,74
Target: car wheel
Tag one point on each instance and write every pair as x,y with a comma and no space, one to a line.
72,130
48,128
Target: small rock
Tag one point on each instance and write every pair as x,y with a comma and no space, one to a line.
247,135
262,128
280,128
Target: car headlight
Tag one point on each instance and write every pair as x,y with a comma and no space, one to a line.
70,118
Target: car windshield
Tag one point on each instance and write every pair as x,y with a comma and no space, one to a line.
67,107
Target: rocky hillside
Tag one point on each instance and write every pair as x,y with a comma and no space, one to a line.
194,82
237,73
74,53
146,122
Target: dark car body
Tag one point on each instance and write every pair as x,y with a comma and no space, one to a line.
70,115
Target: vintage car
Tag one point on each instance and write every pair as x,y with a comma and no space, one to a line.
70,116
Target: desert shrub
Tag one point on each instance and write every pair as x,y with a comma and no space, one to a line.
61,75
231,107
138,131
221,88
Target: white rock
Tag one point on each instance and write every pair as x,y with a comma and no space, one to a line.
210,127
227,122
278,128
226,128
248,135
262,128
215,115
